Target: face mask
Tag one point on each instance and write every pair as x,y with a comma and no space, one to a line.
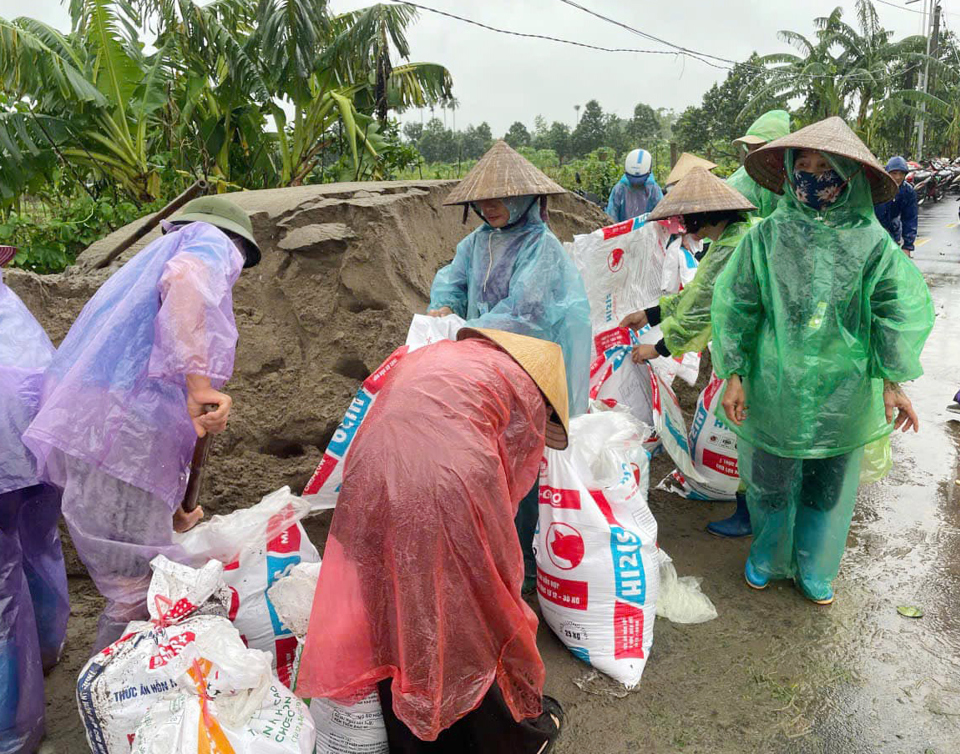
637,180
818,190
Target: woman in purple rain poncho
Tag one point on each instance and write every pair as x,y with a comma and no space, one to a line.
122,401
34,604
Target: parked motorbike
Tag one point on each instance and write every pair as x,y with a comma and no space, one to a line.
589,196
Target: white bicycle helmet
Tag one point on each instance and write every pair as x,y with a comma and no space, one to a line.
638,163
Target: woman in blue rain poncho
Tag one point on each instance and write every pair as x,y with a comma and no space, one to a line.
34,602
817,320
637,192
512,274
122,400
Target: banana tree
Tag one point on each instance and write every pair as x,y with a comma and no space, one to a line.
104,89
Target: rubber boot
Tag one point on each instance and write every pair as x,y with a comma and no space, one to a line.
738,525
820,594
755,579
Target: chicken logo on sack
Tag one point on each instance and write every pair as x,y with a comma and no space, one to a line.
564,546
615,260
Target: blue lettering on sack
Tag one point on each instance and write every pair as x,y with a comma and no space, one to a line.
351,423
91,720
276,568
680,439
699,420
690,259
631,581
581,653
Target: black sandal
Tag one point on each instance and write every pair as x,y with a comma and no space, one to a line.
551,723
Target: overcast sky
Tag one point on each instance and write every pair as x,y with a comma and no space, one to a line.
501,79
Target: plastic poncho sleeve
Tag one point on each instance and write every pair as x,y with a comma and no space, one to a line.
685,316
450,283
901,317
737,312
655,195
547,300
194,331
615,202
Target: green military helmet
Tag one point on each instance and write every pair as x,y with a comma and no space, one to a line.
224,214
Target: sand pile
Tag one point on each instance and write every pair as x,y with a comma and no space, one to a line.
344,268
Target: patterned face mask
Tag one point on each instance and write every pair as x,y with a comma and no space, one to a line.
818,190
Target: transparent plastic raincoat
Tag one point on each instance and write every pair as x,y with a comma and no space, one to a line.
422,573
814,311
628,201
685,316
34,603
521,280
114,395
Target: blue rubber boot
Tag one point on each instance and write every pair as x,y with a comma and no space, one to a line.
755,580
818,593
738,525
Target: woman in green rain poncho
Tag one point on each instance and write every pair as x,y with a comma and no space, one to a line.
817,319
710,209
774,124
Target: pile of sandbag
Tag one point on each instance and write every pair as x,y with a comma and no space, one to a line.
598,567
257,545
136,692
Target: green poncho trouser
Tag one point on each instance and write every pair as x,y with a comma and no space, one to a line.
685,316
814,311
769,126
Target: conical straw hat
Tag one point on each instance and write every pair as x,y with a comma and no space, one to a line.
700,191
502,173
543,361
834,136
685,164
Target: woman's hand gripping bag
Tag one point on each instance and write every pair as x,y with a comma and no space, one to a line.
598,568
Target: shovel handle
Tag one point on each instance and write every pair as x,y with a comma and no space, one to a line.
191,496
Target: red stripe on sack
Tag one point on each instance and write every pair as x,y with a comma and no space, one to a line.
604,506
562,592
286,657
569,499
612,231
721,463
617,336
286,541
324,469
712,389
628,631
375,381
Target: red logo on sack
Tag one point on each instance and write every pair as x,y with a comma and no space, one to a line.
571,594
615,260
628,631
166,652
551,496
564,546
616,336
286,541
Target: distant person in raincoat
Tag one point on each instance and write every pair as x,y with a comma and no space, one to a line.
34,602
817,320
899,215
637,192
769,126
709,209
512,274
123,399
420,591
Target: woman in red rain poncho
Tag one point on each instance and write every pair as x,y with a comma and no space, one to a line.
420,586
